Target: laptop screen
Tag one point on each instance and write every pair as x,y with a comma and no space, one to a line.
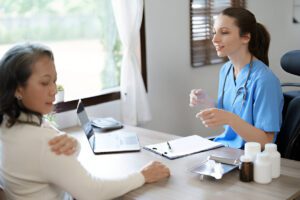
85,123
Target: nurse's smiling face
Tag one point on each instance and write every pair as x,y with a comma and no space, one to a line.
226,37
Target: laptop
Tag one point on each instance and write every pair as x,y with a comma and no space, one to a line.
107,142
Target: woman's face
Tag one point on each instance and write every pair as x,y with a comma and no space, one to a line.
39,92
227,39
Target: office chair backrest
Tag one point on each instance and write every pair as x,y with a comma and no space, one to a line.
290,62
288,140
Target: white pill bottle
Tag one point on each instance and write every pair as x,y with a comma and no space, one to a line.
271,150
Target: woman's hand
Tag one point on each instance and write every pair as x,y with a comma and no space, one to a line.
155,171
63,144
214,117
200,97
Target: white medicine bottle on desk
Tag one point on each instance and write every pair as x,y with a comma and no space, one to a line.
262,168
252,149
271,150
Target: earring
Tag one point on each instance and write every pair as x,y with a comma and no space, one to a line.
19,97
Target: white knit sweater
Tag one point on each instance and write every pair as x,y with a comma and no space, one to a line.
29,170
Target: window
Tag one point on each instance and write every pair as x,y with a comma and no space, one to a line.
202,13
84,39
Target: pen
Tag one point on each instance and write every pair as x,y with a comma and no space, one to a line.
170,148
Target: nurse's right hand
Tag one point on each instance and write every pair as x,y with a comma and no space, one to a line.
200,97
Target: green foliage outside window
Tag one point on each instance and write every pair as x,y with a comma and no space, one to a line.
58,20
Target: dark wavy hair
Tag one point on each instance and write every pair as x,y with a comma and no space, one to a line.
15,69
260,37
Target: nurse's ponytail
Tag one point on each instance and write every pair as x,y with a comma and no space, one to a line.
259,36
259,46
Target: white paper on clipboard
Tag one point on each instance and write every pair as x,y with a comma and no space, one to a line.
183,146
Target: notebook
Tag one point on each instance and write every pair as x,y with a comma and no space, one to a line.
107,142
183,146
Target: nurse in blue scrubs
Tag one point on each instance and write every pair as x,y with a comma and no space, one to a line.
250,98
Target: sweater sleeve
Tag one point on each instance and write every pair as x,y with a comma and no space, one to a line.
67,173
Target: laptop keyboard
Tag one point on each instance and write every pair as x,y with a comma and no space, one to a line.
114,140
128,140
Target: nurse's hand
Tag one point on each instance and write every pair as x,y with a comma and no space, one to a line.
63,144
213,117
200,97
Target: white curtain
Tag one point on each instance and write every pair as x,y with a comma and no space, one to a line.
108,36
134,102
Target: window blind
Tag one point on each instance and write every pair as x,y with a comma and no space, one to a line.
202,13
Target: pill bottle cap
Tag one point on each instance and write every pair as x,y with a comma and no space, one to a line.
245,158
270,147
252,146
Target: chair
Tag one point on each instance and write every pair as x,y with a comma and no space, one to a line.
290,62
288,140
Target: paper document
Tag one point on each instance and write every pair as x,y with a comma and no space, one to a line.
183,146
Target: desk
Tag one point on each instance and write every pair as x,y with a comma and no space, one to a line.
183,184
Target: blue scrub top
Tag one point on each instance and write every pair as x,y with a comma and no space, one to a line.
263,102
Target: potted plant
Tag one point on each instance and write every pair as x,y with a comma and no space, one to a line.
60,95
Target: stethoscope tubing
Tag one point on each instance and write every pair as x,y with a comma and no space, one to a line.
238,91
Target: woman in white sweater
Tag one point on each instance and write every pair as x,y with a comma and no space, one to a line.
28,167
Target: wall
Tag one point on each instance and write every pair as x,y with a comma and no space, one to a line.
170,75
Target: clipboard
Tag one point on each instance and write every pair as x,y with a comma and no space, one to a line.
182,147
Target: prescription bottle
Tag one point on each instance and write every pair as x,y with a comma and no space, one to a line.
252,149
271,150
262,168
246,168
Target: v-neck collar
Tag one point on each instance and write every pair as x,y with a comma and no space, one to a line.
239,81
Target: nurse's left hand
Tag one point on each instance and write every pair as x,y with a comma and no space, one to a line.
213,117
63,144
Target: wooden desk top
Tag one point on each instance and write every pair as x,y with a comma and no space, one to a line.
183,184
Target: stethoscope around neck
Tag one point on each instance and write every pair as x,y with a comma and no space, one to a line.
240,90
